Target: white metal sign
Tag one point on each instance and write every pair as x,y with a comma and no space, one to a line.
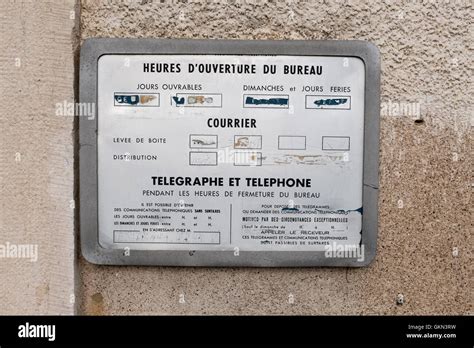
233,157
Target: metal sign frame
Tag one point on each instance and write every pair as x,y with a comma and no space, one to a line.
93,49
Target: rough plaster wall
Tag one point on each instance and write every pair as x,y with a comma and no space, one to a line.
426,166
36,155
